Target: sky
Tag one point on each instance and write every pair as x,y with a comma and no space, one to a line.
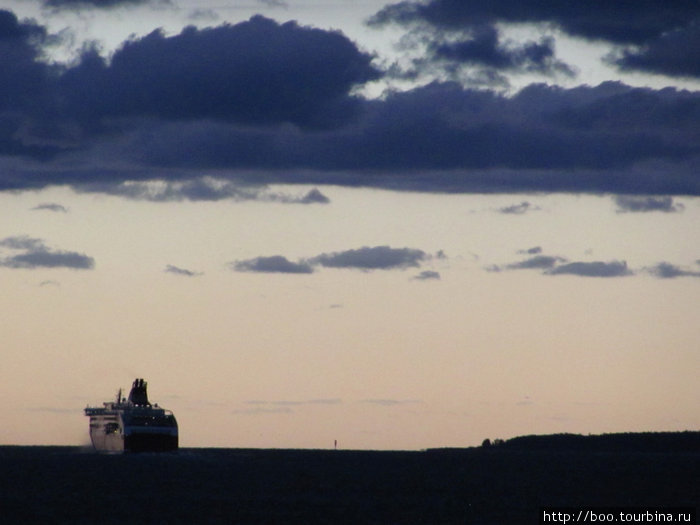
394,225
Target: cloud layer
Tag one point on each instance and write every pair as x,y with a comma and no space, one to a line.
261,102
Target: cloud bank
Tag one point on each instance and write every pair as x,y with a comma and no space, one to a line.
262,102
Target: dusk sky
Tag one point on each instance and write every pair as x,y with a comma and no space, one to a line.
395,225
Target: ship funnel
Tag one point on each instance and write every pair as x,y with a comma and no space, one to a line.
138,395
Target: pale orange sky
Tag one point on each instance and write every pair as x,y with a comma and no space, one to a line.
374,359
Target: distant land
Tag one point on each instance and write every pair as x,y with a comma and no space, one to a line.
686,441
502,482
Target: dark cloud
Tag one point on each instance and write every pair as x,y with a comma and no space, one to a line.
518,209
23,242
23,74
556,265
552,265
51,206
484,48
665,270
658,36
674,53
532,251
592,269
99,4
427,275
254,72
619,22
538,262
314,196
48,259
34,254
446,138
372,258
181,271
272,264
24,89
641,203
201,189
365,258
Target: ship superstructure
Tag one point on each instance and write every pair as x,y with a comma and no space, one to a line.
132,424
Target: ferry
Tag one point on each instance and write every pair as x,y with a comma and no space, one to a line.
132,424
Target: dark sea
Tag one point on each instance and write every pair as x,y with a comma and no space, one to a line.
494,485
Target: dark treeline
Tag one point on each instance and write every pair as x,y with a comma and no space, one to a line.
688,441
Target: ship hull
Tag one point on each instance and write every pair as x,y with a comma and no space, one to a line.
150,443
134,440
107,442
